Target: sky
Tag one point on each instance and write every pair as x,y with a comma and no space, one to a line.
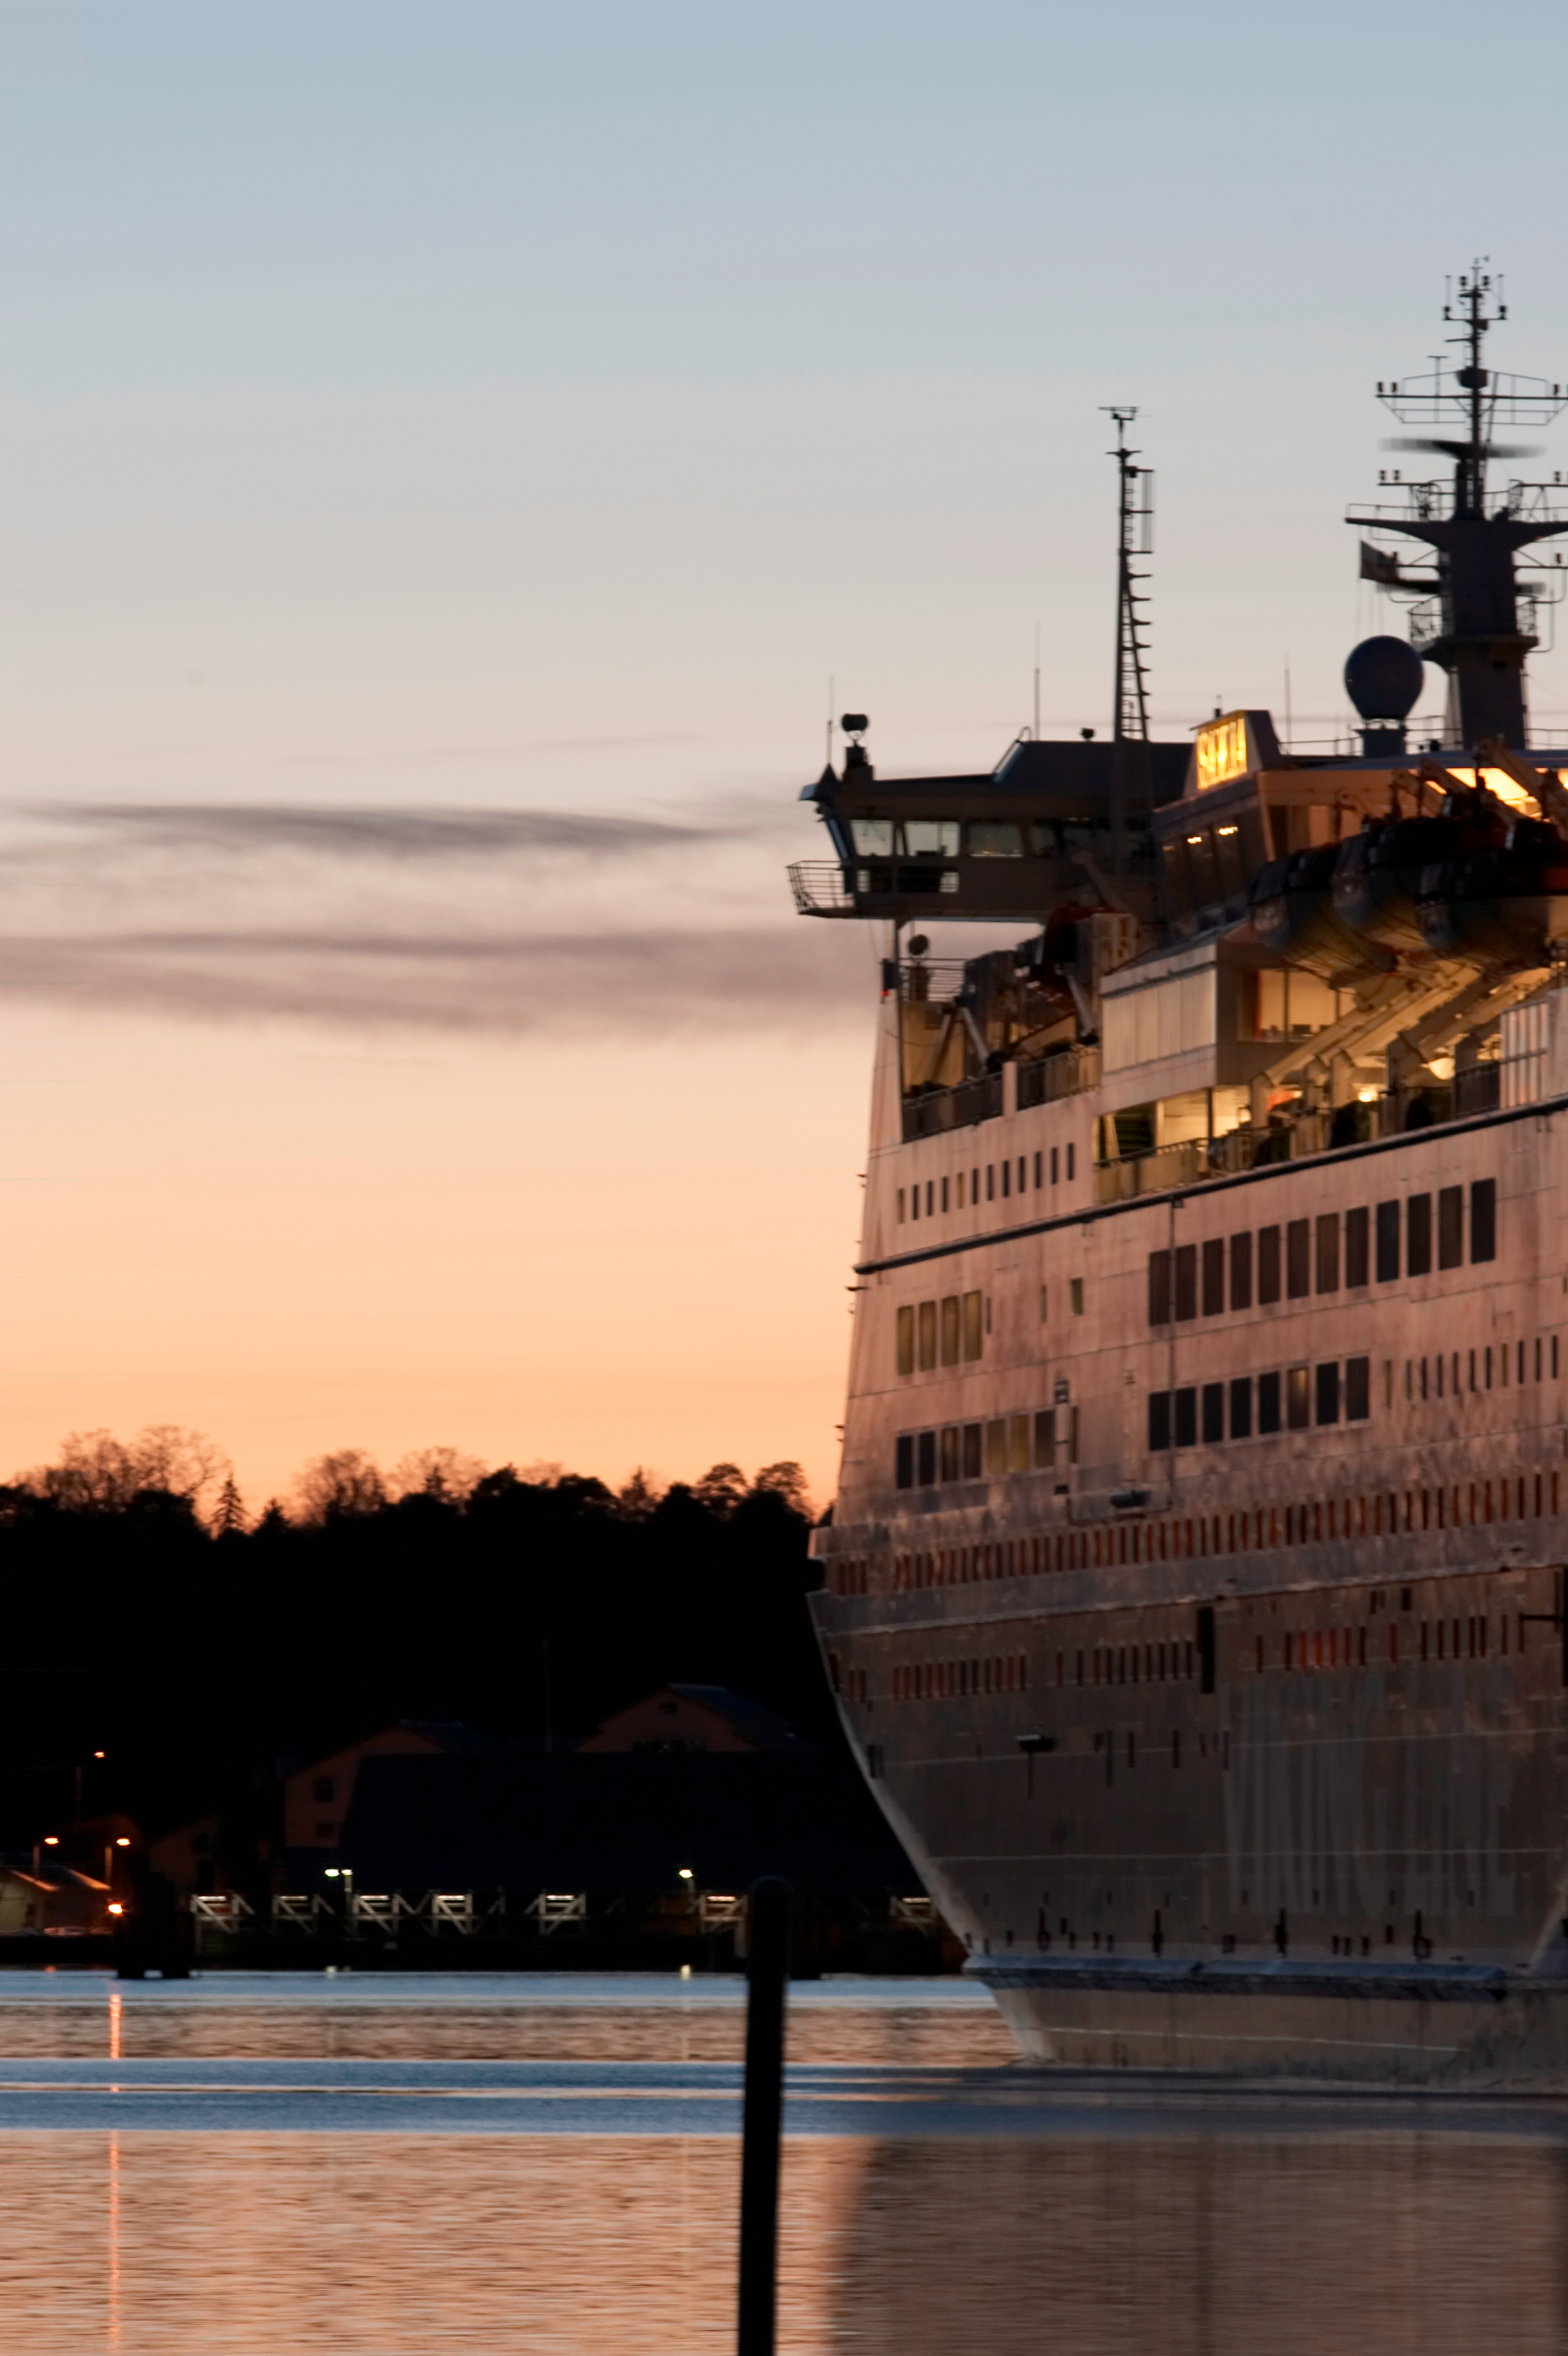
452,460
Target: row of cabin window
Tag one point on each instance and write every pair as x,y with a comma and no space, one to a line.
982,838
953,1680
983,1452
1419,1381
1004,1178
1290,1398
1321,1254
942,1333
1346,1648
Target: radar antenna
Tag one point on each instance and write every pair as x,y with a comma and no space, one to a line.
1467,620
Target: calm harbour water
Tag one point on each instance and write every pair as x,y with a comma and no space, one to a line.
393,2165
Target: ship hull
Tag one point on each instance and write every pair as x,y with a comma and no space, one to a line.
1237,1753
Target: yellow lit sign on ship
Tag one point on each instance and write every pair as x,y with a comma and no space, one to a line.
1222,751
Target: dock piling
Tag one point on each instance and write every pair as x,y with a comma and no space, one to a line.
767,1971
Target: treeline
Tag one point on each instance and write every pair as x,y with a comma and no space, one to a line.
148,1618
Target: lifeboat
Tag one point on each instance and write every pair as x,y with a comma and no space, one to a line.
1504,907
1376,877
1293,913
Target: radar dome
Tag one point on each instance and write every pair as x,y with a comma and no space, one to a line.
1383,677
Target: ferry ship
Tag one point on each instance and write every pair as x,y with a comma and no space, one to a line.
1194,1588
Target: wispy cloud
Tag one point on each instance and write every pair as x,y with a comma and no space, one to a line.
387,917
568,984
360,831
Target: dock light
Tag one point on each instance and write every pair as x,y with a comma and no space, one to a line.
51,1840
686,1873
116,1909
123,1840
98,1754
330,1871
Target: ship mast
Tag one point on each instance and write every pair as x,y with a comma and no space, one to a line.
1135,537
1467,617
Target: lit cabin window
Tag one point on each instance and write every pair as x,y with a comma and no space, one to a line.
930,838
873,837
990,838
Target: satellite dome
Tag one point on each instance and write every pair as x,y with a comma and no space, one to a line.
1383,677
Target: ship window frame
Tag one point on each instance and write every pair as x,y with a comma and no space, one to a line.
1389,1231
1298,1398
1357,1248
1159,1422
1357,1390
1241,1271
926,1330
974,1328
1325,1252
1326,1392
1212,1414
1483,1220
904,1338
1212,1287
1184,1303
1418,1238
1240,1406
1271,1265
987,838
1271,1403
951,1336
925,1459
1184,1416
1450,1226
1298,1260
973,1451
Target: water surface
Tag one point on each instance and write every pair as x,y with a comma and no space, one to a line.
396,2165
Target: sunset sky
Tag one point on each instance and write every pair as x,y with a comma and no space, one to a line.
446,452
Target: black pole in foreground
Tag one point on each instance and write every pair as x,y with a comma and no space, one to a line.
769,1969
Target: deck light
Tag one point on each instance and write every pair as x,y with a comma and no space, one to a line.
686,1873
51,1840
123,1841
117,1908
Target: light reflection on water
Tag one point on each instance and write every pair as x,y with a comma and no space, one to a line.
937,2198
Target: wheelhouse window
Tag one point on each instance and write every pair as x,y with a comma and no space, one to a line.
873,837
995,839
929,838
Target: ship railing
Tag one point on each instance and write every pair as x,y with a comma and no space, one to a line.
1425,624
820,888
937,1110
1297,1137
1046,1079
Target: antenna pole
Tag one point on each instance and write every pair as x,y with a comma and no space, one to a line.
1135,537
1036,682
